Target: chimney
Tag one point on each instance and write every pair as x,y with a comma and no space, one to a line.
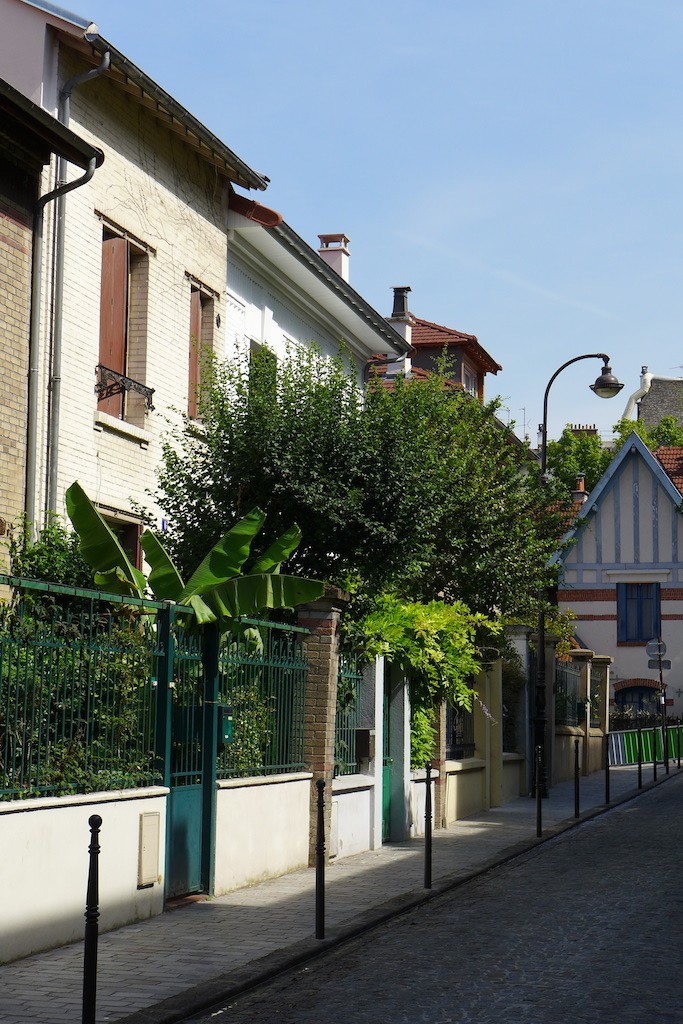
400,310
579,494
400,318
334,249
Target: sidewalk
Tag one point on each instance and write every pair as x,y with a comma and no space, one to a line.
158,971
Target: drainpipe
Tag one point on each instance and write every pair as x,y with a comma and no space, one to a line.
55,386
34,335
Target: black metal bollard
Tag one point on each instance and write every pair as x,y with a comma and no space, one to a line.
640,757
576,779
654,753
539,795
428,826
320,863
665,746
92,914
607,792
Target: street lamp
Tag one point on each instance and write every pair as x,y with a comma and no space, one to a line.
606,386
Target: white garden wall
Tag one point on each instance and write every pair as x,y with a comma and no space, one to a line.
353,815
261,828
44,866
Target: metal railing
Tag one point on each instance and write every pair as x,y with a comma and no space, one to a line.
262,678
348,716
77,692
567,676
623,745
81,678
459,733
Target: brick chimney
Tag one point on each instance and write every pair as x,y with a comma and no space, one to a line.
334,249
580,494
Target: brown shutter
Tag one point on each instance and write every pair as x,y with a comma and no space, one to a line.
195,342
114,314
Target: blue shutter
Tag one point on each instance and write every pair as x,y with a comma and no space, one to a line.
656,611
621,612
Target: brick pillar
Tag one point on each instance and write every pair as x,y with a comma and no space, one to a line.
321,647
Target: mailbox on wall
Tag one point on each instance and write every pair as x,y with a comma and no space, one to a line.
365,744
225,725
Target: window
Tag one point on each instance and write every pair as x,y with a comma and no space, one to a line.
123,330
469,381
638,612
201,342
639,698
262,371
128,532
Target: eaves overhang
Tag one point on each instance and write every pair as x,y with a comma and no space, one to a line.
295,260
19,115
153,98
61,13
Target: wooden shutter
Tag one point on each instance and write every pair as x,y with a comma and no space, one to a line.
114,314
195,344
622,632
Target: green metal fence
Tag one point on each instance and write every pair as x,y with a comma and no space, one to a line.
262,679
77,697
348,716
80,671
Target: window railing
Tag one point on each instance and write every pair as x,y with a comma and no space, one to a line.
110,383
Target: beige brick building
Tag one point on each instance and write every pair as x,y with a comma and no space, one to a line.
28,138
152,259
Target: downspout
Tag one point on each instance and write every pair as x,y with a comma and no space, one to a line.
55,386
34,335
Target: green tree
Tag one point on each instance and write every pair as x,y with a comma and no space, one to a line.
415,490
666,433
573,454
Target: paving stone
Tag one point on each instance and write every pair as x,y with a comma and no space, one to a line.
142,964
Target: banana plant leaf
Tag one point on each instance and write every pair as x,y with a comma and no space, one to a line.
278,552
99,546
165,581
226,558
250,595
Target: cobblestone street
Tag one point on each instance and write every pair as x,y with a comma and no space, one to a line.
584,929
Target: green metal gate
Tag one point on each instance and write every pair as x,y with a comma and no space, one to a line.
187,741
185,806
386,765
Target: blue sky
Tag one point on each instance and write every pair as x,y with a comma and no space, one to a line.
518,164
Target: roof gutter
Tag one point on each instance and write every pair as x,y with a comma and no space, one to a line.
248,177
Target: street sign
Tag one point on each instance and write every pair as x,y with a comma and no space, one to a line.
654,663
655,649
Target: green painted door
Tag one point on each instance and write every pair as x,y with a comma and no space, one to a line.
185,804
185,835
386,770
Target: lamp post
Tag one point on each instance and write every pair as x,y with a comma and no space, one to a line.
606,386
